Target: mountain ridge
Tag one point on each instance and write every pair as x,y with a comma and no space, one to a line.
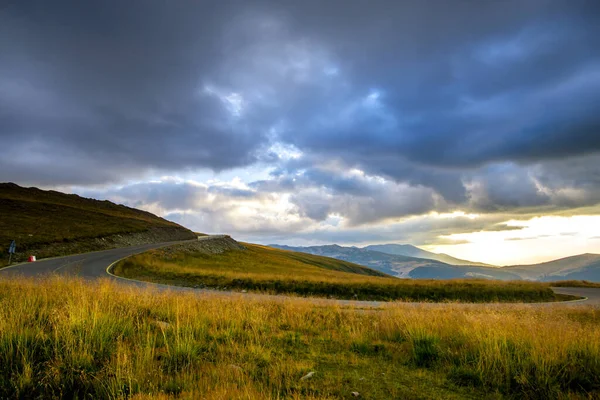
560,268
579,267
398,265
414,251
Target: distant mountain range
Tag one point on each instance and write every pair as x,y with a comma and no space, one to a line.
407,261
413,251
392,264
581,267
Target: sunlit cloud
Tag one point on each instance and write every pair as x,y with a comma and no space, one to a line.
538,239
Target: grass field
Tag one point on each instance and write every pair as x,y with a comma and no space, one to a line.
65,338
269,270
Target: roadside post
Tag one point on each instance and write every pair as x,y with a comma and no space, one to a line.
11,250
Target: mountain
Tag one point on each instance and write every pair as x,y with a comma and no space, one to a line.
403,266
462,272
413,251
581,267
49,223
390,264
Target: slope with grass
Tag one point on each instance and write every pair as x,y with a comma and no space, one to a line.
67,339
50,223
232,266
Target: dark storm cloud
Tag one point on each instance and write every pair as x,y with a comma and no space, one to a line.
453,79
476,102
109,88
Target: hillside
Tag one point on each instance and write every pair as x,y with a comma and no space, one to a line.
50,223
413,251
222,263
223,256
583,266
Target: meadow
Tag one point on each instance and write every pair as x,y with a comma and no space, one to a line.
64,338
268,270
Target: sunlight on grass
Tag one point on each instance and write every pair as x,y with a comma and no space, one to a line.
269,270
66,338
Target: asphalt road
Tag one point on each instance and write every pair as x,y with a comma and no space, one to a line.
88,265
93,266
592,294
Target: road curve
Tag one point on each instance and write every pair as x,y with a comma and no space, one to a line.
87,265
94,265
592,295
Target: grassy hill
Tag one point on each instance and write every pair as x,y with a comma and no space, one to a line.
228,265
50,223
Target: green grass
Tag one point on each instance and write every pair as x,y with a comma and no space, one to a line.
54,223
269,270
69,339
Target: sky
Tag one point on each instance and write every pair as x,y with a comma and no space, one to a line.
469,128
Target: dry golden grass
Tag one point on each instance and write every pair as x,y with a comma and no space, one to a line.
65,338
265,269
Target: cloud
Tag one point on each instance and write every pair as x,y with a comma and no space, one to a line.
219,207
92,93
272,217
195,86
501,227
364,116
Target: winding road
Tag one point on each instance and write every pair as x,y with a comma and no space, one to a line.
94,265
87,265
